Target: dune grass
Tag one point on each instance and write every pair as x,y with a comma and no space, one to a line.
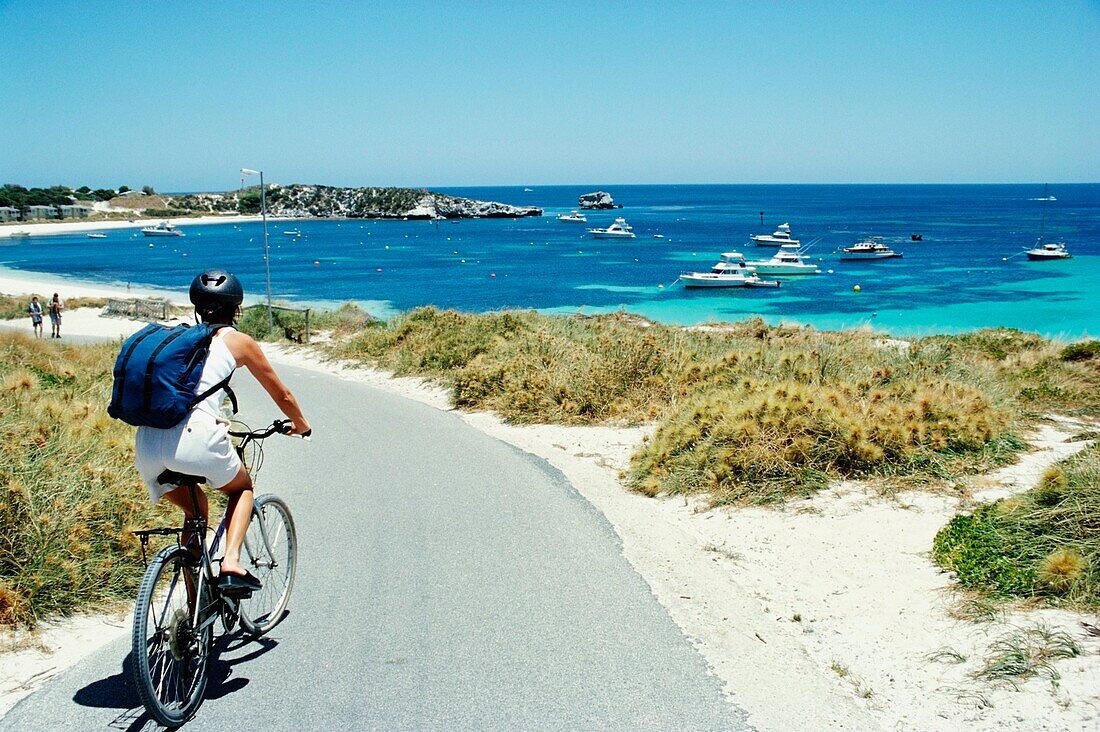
746,412
1044,543
69,494
345,320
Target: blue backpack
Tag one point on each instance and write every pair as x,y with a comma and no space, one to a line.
157,373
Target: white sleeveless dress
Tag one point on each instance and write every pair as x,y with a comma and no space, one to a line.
200,444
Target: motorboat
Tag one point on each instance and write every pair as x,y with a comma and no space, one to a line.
573,217
869,248
1050,250
777,238
730,270
787,261
162,229
97,235
292,232
916,237
618,230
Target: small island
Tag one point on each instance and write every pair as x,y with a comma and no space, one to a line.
20,204
597,200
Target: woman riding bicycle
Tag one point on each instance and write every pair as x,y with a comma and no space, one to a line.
200,444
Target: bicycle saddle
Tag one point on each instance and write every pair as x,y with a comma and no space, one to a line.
171,477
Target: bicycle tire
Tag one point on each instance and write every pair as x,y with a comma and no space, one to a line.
273,562
169,659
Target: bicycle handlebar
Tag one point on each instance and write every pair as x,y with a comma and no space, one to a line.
282,426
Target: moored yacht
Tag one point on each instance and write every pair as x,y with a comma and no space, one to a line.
869,248
787,261
730,271
573,217
777,238
618,230
1050,250
162,229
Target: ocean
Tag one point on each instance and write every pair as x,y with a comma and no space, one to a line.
968,271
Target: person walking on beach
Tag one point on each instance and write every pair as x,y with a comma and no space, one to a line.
56,306
35,309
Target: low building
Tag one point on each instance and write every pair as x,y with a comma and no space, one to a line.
9,213
35,213
75,211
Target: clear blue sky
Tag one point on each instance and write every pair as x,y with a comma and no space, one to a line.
181,95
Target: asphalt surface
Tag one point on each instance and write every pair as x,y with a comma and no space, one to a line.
446,581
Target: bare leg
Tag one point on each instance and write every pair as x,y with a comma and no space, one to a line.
239,511
181,497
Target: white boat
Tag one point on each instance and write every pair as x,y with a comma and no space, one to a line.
1050,250
869,248
729,271
787,261
618,230
292,232
95,235
777,238
573,217
162,229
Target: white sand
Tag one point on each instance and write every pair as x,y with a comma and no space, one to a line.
852,566
74,227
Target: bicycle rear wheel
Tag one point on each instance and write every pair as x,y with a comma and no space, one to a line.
270,552
169,655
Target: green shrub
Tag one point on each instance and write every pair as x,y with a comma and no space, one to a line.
1087,351
1044,543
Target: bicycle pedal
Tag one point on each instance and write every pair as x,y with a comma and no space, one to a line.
237,593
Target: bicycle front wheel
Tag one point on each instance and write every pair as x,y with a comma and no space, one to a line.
169,655
270,551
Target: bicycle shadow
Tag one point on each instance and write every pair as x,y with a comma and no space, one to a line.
119,692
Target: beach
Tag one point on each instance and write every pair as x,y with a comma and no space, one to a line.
836,591
60,228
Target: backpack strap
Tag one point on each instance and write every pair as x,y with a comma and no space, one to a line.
224,383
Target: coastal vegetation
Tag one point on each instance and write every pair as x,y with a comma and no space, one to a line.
747,412
296,200
1042,544
69,494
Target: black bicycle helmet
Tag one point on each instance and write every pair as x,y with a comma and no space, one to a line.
216,289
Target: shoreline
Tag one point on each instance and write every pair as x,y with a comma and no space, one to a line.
55,228
836,591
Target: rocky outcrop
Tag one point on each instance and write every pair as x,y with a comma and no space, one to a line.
597,199
384,203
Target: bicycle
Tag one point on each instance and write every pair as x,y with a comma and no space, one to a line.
179,601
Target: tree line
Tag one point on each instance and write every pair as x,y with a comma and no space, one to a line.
17,196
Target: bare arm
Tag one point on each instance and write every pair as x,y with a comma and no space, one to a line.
249,354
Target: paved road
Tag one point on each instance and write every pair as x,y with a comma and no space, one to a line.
446,581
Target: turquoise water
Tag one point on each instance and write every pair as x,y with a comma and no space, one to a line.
968,272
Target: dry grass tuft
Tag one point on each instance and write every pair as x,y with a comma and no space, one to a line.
1026,653
69,495
1061,570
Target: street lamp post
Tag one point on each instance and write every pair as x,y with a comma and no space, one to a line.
267,260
